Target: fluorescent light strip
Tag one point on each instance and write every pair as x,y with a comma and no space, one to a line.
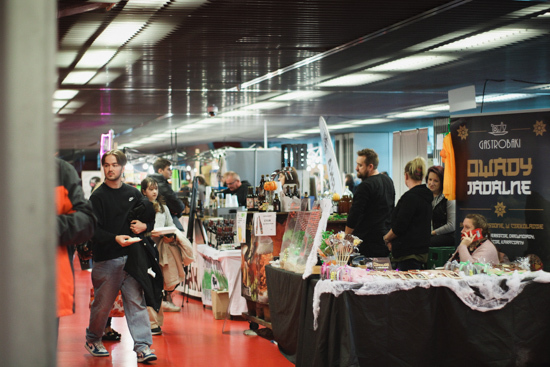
186,128
504,97
237,113
152,34
411,114
65,94
95,58
434,107
354,79
416,62
265,106
370,121
124,59
59,104
74,104
186,4
65,58
300,95
145,4
104,77
66,111
289,136
211,121
488,40
79,77
79,32
540,86
341,126
309,131
119,31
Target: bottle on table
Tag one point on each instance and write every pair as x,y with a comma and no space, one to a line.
261,186
256,200
250,198
261,200
276,203
306,205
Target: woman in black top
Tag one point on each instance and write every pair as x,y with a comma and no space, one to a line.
443,218
409,236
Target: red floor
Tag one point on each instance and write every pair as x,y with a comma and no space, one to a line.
191,337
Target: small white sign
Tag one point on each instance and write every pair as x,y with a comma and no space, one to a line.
461,99
241,227
265,224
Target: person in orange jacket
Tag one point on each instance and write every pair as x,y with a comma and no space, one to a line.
75,224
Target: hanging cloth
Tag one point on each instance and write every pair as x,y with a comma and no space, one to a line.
449,178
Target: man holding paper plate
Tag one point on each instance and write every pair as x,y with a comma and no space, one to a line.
112,203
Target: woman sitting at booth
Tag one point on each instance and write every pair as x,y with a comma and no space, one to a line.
443,217
475,245
409,236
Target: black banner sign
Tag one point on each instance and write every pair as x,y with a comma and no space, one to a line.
503,173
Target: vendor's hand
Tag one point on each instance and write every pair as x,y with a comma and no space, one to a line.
121,240
389,245
467,239
137,227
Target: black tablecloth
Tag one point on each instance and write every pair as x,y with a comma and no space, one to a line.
418,327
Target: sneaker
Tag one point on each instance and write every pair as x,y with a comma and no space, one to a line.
146,356
96,349
111,336
168,306
156,331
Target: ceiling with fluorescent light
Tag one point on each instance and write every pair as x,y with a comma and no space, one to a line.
150,69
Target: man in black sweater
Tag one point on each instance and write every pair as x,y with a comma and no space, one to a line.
163,171
112,202
370,215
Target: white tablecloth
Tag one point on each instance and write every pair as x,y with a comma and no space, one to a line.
230,261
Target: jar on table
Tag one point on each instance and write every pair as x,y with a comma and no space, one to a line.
344,205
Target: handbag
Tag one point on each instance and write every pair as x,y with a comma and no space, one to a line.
117,310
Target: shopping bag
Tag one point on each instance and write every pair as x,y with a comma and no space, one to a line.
117,310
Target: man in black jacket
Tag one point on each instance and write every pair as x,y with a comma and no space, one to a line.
163,172
112,203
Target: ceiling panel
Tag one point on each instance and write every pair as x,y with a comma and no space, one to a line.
183,56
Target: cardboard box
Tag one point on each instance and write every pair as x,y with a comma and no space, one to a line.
220,301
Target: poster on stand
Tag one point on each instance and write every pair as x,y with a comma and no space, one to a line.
502,173
334,176
90,180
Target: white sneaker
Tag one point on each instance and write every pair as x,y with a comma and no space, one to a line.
168,306
146,356
96,349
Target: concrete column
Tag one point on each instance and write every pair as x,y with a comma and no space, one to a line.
27,179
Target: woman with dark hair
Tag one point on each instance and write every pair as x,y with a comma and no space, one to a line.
476,245
443,217
409,236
